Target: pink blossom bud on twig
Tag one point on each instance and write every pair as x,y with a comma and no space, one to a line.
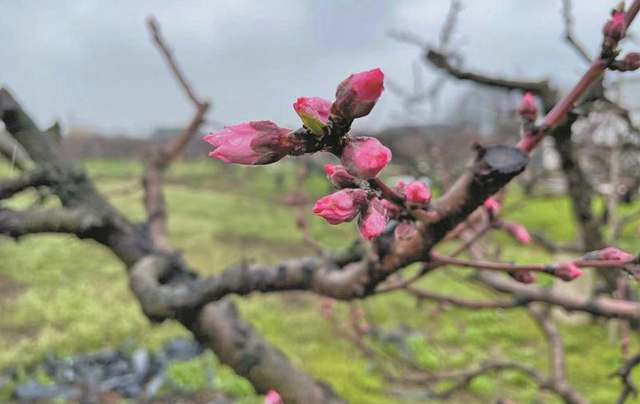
338,176
357,95
365,157
528,109
613,254
261,142
616,27
492,206
326,308
273,397
373,220
393,211
630,62
519,232
525,277
567,271
341,206
314,113
405,231
417,192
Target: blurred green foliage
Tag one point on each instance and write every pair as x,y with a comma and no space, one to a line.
62,295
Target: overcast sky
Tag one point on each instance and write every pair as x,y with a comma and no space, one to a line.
91,62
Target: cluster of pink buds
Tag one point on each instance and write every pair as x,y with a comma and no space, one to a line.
347,204
273,397
263,142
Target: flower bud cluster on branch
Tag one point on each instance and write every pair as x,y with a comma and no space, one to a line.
406,211
360,193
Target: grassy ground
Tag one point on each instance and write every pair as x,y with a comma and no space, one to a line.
60,295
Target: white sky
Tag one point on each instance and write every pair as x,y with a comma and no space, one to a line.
91,62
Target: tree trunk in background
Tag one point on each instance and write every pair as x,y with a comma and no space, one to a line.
580,191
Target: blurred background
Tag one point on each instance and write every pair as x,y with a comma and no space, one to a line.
90,68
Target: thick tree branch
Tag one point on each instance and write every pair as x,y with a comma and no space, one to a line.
89,214
12,186
20,223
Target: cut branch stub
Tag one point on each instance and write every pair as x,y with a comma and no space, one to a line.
503,160
493,168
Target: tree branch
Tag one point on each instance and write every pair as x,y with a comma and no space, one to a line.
20,223
12,186
157,161
569,35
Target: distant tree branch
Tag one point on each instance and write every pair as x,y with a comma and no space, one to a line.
569,35
157,161
629,387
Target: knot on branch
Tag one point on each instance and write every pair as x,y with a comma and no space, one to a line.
499,160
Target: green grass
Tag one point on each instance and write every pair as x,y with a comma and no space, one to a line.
65,296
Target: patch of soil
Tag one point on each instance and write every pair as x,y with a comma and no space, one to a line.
10,288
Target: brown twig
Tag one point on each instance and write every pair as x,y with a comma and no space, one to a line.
569,35
157,161
629,387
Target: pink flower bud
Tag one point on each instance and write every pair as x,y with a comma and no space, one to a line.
338,176
528,109
365,157
519,232
393,211
326,308
261,142
525,277
616,27
492,206
341,206
613,254
631,61
567,271
357,95
405,231
273,397
314,113
373,221
363,328
417,192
